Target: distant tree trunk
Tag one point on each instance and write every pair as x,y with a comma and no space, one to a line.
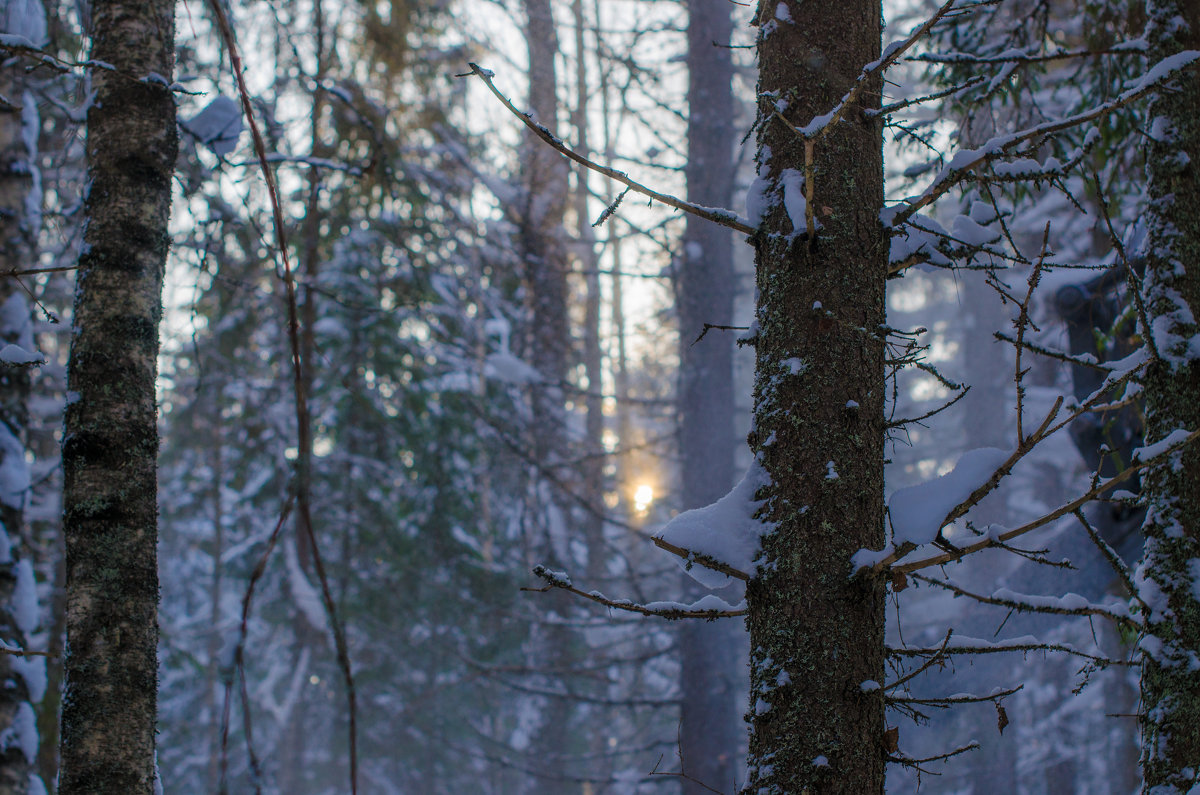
710,718
593,359
20,209
1170,715
110,439
297,739
816,634
544,250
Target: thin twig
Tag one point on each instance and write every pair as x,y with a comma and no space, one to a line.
718,216
301,403
556,580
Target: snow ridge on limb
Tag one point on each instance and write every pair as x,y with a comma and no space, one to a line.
721,540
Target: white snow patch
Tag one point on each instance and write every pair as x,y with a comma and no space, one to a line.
917,512
304,596
218,126
17,356
22,733
794,200
725,531
24,599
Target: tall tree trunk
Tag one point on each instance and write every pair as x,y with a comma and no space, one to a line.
1170,715
20,210
110,439
816,633
549,344
710,720
292,770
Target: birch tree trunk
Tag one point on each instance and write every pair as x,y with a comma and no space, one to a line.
110,440
816,634
710,723
1170,571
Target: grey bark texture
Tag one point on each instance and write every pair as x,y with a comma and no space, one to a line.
545,254
710,727
20,203
816,633
1170,714
110,439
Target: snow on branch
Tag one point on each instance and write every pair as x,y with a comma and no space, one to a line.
997,535
967,160
716,215
1071,604
1023,644
721,540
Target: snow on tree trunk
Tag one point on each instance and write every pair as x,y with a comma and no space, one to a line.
1170,570
709,731
816,633
110,440
20,219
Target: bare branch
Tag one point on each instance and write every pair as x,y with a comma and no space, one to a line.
557,580
718,216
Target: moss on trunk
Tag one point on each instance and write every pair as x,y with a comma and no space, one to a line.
816,635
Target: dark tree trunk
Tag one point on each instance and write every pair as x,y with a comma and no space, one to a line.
110,440
816,633
710,724
1170,715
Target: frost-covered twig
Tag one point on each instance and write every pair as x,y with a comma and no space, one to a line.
967,160
1135,287
925,666
1084,360
908,761
1022,322
718,216
1024,645
1114,560
907,103
1025,603
1028,58
669,610
19,45
943,702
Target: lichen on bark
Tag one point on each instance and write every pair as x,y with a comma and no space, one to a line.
816,633
110,439
1169,575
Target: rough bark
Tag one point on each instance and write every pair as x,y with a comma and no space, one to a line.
710,729
20,203
1170,714
816,633
110,440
